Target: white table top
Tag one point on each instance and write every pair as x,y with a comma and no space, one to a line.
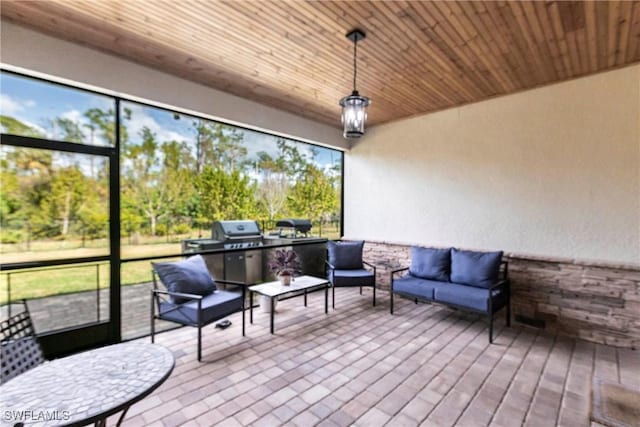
85,387
273,289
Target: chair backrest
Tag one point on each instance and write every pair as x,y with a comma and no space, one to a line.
19,347
345,255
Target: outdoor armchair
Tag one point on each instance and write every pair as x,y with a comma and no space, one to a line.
346,268
191,297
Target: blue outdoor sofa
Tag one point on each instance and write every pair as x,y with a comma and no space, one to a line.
469,280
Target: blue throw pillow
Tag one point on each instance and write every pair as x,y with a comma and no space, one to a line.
479,269
430,263
345,255
189,276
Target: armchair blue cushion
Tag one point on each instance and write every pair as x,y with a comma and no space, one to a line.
355,277
189,276
430,263
214,306
479,269
345,255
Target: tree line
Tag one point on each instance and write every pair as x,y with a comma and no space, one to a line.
167,186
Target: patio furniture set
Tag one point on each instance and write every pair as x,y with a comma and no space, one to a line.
475,281
461,279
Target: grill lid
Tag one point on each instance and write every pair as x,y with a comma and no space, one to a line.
224,230
300,225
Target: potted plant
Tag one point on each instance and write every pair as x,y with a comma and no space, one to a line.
285,265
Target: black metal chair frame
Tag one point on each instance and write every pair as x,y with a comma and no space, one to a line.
159,295
20,326
332,270
504,285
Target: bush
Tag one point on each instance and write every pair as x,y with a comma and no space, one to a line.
181,228
161,229
11,236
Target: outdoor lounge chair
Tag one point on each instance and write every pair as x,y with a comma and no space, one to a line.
191,297
346,268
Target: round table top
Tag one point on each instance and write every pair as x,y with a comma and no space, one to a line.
85,387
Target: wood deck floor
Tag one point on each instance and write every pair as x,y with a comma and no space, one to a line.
425,365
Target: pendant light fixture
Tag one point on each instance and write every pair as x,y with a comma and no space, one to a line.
354,106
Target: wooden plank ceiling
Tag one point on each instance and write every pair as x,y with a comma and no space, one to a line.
418,57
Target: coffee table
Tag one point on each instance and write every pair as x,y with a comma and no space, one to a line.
301,285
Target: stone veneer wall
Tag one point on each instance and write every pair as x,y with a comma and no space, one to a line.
594,301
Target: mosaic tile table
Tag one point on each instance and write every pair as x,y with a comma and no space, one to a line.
85,388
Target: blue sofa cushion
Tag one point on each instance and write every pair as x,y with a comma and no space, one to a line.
356,277
189,276
430,263
414,286
479,269
214,306
465,296
345,255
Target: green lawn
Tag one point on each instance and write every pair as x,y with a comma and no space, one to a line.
62,280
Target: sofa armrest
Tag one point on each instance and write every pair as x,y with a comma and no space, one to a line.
395,271
398,270
501,285
505,270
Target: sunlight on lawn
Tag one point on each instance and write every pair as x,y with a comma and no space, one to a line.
59,280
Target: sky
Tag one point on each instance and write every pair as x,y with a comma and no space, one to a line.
34,102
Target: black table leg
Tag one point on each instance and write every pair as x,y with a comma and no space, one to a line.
305,297
119,419
272,315
326,300
251,307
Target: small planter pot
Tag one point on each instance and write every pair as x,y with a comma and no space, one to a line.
285,279
265,304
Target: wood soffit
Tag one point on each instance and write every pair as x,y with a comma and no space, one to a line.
418,56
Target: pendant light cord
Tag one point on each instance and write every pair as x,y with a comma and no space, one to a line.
355,65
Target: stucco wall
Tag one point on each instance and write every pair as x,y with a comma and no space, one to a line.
22,48
553,171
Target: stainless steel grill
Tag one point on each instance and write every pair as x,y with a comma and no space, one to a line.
293,228
237,234
242,266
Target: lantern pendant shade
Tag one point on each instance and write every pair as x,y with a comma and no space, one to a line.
354,114
354,106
